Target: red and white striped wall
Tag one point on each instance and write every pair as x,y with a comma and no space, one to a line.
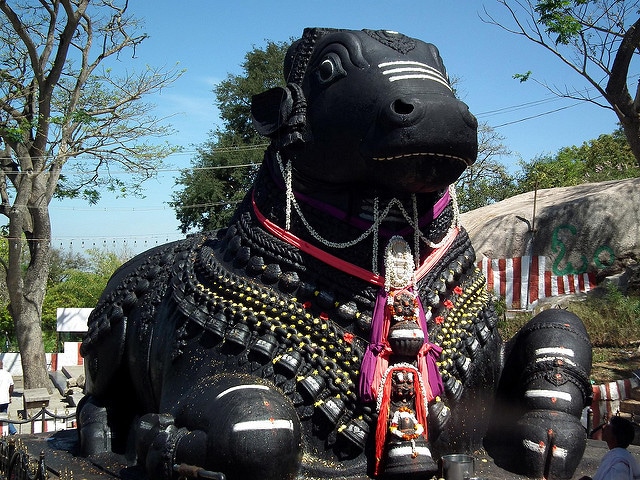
607,398
522,281
70,356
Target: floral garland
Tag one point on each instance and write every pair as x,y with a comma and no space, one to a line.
395,366
398,264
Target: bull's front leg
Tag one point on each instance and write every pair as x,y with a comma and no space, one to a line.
242,426
536,428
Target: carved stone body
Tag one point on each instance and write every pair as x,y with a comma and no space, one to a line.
246,348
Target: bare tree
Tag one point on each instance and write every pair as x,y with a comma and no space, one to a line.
60,108
487,180
598,39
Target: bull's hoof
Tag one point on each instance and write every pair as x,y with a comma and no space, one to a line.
93,430
153,441
252,429
547,444
161,456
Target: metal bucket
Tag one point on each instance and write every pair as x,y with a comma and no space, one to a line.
457,466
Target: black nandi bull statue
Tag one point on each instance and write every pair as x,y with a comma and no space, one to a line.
338,327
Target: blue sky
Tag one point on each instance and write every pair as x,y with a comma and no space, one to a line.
210,38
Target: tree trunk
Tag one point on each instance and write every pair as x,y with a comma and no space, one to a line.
27,287
631,128
34,363
626,108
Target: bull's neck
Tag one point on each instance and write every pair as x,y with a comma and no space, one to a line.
352,226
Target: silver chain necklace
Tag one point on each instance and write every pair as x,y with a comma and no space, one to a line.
378,218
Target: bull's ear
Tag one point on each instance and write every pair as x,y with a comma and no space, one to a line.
271,109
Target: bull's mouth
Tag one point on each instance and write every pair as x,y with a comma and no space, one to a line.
423,155
416,171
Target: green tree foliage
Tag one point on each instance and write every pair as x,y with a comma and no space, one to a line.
220,176
75,281
607,157
79,284
61,107
78,280
214,185
487,180
597,39
62,262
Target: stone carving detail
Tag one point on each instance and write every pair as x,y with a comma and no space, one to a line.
337,327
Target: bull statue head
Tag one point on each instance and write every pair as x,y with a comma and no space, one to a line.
367,110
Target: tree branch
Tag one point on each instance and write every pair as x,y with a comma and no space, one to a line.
19,28
617,85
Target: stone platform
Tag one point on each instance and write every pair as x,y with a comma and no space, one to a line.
60,453
59,449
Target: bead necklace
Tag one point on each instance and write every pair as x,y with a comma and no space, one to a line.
378,218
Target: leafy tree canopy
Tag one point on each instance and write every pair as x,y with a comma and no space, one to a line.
69,120
607,157
597,39
75,281
225,165
487,180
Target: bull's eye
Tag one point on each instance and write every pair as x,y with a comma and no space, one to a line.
330,69
325,70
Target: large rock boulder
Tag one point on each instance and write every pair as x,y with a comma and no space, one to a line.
590,227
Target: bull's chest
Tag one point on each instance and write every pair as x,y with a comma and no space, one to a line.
256,323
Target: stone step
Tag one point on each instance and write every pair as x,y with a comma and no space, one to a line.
59,381
73,371
630,406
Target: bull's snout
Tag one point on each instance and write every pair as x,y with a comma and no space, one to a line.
429,123
420,142
403,112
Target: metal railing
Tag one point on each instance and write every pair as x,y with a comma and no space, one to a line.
46,420
15,462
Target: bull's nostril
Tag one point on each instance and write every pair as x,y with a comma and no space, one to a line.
401,107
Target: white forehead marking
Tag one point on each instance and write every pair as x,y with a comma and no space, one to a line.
263,425
240,387
403,70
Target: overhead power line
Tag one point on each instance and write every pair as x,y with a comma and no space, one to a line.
537,116
142,209
513,108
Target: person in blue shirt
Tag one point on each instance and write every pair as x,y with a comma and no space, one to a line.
618,463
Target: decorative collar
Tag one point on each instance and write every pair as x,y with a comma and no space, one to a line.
339,214
373,278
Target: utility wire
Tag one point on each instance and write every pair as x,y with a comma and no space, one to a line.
144,209
249,148
513,108
537,116
245,148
